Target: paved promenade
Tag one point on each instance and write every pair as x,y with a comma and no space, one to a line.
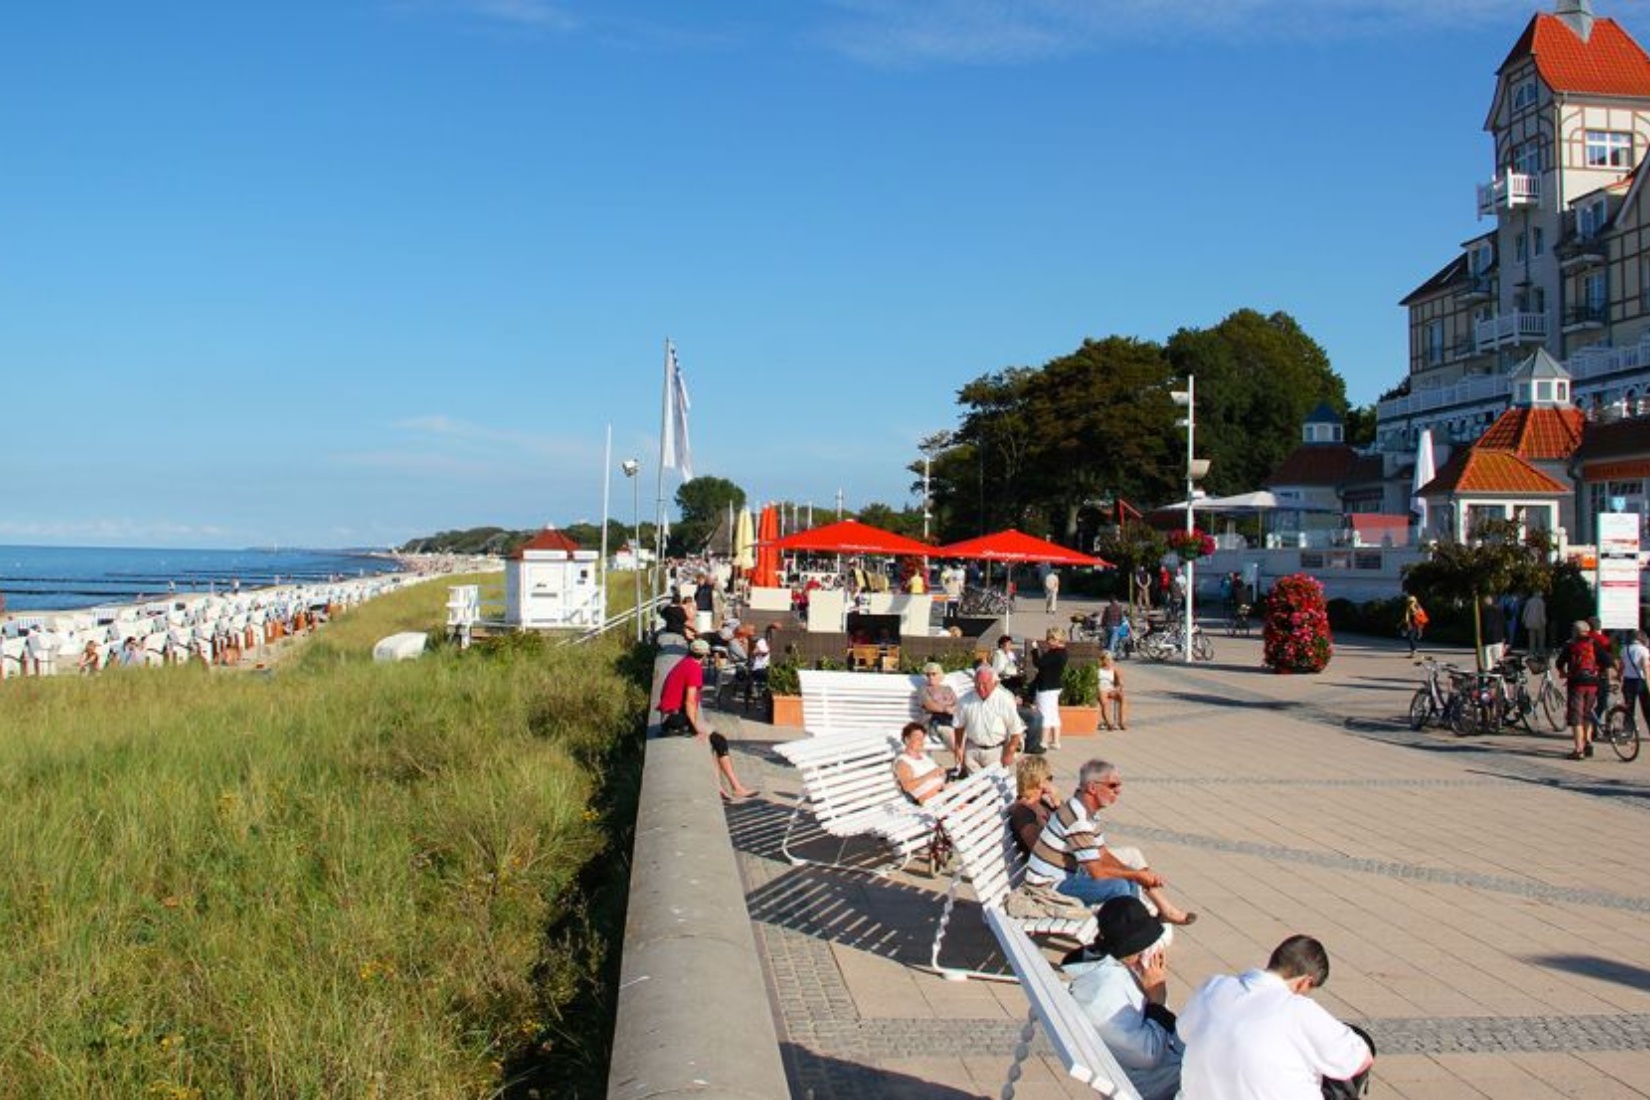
1483,900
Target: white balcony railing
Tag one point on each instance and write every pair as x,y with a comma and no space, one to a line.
1510,190
1517,327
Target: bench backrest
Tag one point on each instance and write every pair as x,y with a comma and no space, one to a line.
845,775
835,703
974,814
1075,1042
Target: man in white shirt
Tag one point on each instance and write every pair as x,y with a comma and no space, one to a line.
1635,679
989,729
1257,1036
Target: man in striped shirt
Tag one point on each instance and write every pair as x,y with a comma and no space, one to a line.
1071,854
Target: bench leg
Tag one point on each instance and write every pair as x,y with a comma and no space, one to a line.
790,825
1022,1051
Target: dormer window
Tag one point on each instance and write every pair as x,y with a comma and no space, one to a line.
1543,391
1524,95
1561,391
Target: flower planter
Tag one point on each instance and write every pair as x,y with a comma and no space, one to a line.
787,711
1079,720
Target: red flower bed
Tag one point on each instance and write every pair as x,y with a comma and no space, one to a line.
1297,626
1191,545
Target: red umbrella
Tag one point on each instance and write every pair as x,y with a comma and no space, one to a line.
1016,546
849,536
766,573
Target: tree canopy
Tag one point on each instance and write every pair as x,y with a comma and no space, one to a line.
703,501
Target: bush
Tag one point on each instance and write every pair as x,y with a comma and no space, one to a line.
1080,686
1298,637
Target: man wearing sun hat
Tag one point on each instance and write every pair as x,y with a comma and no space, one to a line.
1122,991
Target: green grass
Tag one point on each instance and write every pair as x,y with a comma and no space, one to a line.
342,879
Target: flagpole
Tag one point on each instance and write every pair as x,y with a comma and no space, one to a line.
657,587
607,487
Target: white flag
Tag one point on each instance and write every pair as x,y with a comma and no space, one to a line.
678,455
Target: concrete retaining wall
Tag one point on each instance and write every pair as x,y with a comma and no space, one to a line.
693,1013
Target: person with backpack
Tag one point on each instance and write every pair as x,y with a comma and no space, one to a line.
1607,663
1578,663
1415,622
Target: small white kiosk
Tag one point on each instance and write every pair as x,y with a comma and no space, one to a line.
550,582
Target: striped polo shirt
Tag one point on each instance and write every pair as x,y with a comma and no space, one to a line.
1069,839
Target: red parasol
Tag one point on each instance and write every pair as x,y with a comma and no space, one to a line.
849,536
766,573
1016,546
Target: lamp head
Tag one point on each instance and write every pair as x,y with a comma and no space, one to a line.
630,467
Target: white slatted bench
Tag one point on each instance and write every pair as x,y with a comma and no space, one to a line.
848,784
835,703
1076,1043
974,815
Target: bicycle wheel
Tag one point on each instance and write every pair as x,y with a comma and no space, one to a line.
1202,648
1552,705
1622,735
1463,718
1420,709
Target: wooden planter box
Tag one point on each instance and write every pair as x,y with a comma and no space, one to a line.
787,711
1079,720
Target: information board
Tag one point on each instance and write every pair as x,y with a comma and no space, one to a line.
1618,570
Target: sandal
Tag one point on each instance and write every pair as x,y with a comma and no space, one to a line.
1574,756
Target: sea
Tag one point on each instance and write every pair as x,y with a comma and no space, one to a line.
66,578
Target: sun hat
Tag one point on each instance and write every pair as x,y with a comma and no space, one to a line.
1126,927
699,647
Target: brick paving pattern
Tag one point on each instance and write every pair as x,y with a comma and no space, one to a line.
1482,899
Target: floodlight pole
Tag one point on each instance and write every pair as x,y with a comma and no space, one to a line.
1188,398
632,469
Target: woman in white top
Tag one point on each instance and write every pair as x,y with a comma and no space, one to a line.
1111,690
920,775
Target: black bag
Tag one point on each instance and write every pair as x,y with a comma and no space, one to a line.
676,724
1353,1087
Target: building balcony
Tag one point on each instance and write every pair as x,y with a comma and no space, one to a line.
1509,330
1479,288
1581,252
1588,316
1509,191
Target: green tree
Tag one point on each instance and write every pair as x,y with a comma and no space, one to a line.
1497,559
907,521
1257,378
1360,425
704,502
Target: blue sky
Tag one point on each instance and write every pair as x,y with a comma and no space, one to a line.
345,272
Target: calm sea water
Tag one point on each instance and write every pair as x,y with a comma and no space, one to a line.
62,578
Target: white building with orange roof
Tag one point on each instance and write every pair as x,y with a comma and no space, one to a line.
1565,267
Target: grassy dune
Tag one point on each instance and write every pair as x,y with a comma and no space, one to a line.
342,879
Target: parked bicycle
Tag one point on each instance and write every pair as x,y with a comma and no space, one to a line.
985,601
1436,701
1549,697
1168,641
1483,708
1238,625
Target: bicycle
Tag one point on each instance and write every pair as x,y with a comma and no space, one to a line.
1238,625
1168,642
1434,701
984,601
1550,696
1518,702
1621,731
1483,706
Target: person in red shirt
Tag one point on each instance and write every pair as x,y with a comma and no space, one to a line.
679,698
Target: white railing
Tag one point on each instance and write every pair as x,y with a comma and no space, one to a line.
1484,387
1510,189
1517,327
1595,362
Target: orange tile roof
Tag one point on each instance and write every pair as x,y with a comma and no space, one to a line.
1609,63
1479,470
1538,434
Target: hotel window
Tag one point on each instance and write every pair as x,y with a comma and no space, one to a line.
1520,248
1435,343
1590,223
1592,292
1527,158
1524,95
1538,241
1609,149
1644,282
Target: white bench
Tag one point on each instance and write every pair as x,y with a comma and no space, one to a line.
848,783
1076,1043
835,703
974,815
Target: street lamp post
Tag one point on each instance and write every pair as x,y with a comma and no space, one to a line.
631,468
1196,469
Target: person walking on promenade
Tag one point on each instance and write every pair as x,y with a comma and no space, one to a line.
679,698
1635,680
1534,619
1492,625
1257,1034
1048,682
1051,592
1415,622
989,729
1578,663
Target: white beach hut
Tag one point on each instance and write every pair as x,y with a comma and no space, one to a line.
550,582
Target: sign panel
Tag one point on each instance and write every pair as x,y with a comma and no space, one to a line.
1618,570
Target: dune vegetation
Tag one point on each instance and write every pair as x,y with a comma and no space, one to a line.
328,878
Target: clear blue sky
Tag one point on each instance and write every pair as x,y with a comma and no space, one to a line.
341,272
